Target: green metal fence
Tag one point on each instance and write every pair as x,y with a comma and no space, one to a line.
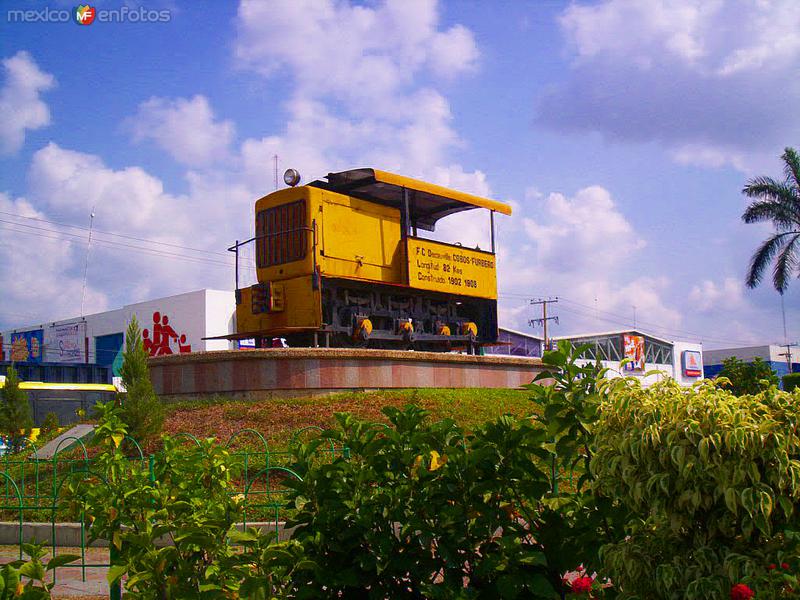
32,490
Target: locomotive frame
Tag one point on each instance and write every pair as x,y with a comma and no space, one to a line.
339,263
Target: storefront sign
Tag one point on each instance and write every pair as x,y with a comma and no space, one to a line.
66,343
692,363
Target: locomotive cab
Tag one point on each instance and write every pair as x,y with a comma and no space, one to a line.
340,263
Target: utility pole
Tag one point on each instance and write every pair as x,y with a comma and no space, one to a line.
788,354
543,321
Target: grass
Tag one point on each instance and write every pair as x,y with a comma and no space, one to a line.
278,419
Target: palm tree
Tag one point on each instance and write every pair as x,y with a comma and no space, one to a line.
779,203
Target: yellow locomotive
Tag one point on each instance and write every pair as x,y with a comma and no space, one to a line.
339,263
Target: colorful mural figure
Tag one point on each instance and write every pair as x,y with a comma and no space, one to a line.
160,343
634,350
27,347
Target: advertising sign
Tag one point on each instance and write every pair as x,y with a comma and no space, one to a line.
27,346
451,269
65,343
692,364
634,350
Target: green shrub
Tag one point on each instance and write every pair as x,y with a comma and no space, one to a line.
142,411
50,423
748,377
791,381
712,482
15,412
187,498
422,510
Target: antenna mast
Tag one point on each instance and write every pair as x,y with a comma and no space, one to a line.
86,265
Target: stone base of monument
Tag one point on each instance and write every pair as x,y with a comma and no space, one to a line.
288,372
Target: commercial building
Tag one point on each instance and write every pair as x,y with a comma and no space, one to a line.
172,325
683,361
775,356
516,343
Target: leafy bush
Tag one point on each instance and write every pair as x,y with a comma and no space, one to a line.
142,411
26,579
712,482
50,423
791,381
187,499
15,412
748,378
425,510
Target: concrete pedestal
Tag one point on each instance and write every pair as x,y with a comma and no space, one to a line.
286,372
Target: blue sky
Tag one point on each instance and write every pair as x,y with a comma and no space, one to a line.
622,131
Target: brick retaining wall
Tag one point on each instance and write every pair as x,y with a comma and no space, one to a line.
271,372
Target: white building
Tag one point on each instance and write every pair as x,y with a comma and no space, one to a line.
683,361
171,325
777,357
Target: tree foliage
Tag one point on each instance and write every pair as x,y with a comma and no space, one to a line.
712,482
748,377
776,202
15,411
678,493
791,381
142,411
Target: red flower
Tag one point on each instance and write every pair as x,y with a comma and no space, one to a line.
771,567
582,584
785,566
741,592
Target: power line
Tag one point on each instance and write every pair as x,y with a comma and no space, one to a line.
662,331
620,319
111,233
59,235
543,321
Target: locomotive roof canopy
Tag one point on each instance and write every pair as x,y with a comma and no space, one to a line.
427,202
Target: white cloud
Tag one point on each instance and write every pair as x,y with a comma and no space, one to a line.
585,229
576,247
713,82
66,185
185,128
710,296
352,52
38,271
21,107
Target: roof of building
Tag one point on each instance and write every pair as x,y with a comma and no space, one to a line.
522,333
580,336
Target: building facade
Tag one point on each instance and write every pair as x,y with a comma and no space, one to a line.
682,361
516,343
171,325
775,356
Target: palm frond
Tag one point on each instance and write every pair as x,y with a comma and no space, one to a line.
767,188
763,257
784,215
792,167
787,263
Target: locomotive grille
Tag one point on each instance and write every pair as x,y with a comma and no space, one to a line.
281,234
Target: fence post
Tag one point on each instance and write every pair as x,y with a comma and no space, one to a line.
115,590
